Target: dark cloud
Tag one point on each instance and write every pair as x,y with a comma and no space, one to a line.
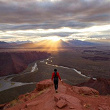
60,34
15,11
99,18
48,25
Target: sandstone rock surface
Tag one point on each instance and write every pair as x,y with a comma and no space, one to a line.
44,84
100,84
66,99
85,90
61,104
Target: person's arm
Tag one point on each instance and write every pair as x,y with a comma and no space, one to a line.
59,76
52,76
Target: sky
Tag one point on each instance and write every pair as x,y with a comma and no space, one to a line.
35,20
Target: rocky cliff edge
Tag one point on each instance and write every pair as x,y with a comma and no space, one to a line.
68,97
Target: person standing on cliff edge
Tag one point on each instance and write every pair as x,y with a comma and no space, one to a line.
55,76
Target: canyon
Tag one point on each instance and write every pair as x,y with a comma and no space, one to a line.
16,62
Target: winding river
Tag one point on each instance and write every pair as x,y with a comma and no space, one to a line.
79,72
6,83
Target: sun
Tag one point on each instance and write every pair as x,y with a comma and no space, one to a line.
51,43
55,38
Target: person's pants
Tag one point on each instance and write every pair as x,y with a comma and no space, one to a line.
56,83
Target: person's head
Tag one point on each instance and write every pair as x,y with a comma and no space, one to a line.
55,70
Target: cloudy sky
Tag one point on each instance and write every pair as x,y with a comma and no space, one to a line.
36,20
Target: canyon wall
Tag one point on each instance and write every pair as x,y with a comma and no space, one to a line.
15,62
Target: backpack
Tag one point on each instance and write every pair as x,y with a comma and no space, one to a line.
55,75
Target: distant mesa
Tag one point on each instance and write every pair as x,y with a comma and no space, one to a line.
97,58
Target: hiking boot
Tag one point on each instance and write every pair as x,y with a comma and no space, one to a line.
56,91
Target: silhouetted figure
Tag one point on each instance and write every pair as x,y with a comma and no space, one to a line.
55,76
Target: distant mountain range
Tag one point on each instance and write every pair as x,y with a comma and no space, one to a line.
23,42
81,43
4,44
49,43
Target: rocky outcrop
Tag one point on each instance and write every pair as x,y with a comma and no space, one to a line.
48,99
85,90
102,85
61,104
15,62
44,84
64,100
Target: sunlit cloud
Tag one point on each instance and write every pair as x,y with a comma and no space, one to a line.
37,20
